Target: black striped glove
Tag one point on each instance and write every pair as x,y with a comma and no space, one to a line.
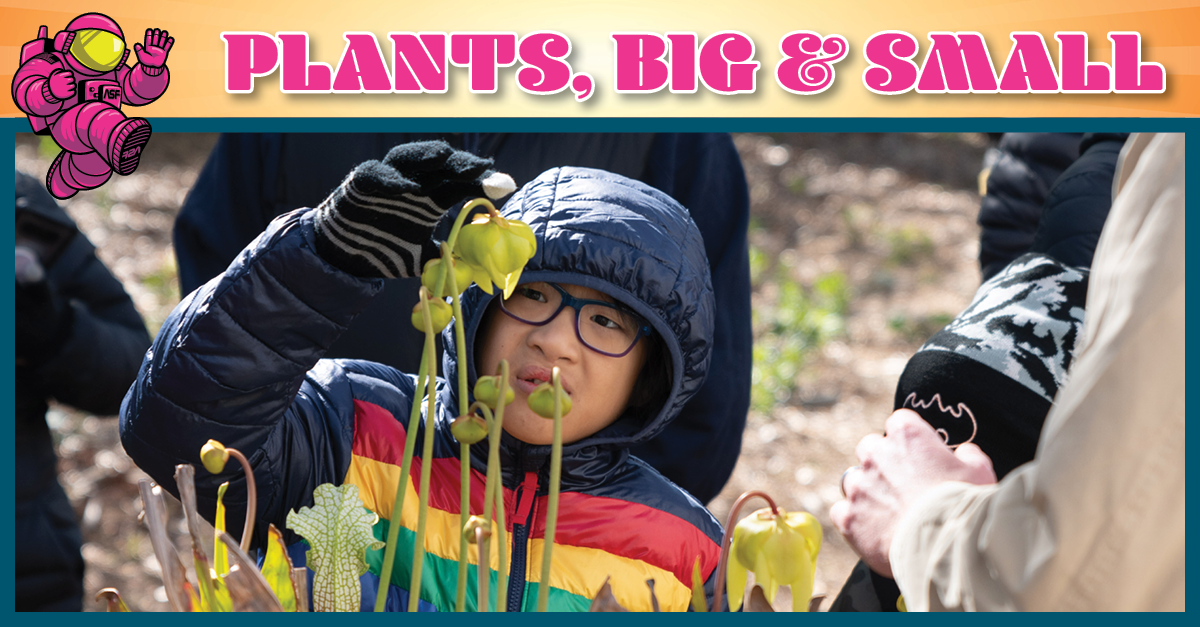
378,223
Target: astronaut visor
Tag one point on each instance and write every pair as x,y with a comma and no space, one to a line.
97,50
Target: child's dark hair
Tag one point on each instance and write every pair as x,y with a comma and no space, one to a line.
654,381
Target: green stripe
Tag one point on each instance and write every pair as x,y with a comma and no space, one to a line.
439,578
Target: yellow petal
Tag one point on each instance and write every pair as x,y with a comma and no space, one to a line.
762,577
485,284
809,527
751,532
735,579
786,554
494,274
525,232
511,281
476,241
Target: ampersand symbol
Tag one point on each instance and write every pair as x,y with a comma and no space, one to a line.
807,66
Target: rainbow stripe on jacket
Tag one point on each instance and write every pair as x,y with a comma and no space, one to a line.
597,537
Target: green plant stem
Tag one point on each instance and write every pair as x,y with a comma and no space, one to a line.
552,508
498,493
410,442
481,582
464,450
483,565
489,502
414,588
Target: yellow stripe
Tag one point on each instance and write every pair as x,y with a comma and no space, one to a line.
582,570
377,483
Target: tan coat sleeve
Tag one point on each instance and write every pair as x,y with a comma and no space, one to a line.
1096,521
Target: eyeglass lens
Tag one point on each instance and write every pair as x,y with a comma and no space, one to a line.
603,327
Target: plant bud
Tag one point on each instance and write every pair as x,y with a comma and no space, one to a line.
477,522
487,389
213,455
469,429
541,401
434,269
439,312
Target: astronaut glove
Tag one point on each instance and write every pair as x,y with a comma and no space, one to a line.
61,84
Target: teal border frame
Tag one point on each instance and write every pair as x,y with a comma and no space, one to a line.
12,126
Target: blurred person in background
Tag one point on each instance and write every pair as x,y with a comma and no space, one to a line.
1096,520
1031,201
250,178
990,377
79,341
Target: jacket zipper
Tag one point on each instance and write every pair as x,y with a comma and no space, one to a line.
526,496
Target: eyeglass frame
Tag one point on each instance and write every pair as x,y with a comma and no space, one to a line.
644,329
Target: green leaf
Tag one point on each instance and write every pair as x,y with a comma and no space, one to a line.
277,570
338,528
222,601
220,554
699,600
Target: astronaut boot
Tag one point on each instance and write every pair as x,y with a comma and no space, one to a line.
126,144
71,173
56,184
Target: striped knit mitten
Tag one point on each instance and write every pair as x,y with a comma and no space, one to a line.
378,222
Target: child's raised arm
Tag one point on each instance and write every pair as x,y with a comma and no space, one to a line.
237,360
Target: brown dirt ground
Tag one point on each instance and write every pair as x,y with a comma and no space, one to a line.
895,213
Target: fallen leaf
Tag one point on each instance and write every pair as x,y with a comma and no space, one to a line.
605,601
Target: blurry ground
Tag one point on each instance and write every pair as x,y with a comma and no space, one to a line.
862,246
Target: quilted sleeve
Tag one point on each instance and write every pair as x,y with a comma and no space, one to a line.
235,362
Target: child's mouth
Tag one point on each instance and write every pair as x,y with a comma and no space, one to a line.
528,378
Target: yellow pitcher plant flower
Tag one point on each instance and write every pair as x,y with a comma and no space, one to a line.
497,248
780,548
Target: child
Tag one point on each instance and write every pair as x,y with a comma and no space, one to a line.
239,361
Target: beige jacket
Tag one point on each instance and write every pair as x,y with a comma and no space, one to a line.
1096,521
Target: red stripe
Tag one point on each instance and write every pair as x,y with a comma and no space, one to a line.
379,436
631,530
618,527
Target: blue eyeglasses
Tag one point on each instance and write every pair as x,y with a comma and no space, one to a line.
602,326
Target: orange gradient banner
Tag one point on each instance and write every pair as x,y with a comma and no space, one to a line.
1168,28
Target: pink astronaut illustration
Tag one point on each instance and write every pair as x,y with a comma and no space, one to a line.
72,88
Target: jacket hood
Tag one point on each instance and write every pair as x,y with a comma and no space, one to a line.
632,242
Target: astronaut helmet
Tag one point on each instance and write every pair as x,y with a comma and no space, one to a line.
92,43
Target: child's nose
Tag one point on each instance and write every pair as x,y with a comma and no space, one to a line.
557,339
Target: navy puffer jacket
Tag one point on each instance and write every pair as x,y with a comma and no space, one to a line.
239,361
1021,171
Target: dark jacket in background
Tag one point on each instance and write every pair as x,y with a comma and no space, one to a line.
1022,168
251,178
97,356
1078,204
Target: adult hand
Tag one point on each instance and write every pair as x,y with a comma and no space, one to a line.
62,84
895,471
154,52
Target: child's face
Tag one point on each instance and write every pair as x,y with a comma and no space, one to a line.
599,385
